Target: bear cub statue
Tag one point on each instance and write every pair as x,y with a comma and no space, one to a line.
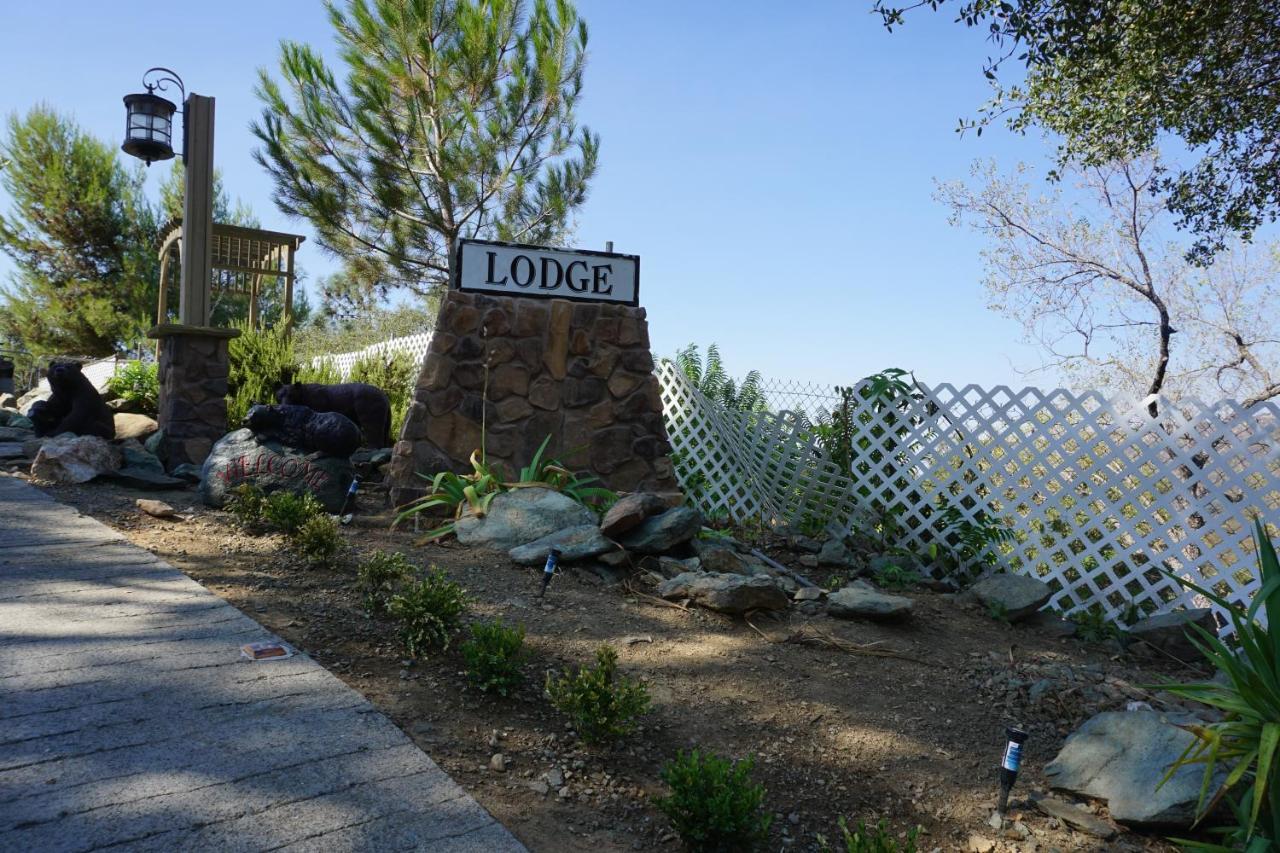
301,428
75,405
367,405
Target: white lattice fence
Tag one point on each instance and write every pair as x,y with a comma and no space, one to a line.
1101,494
415,345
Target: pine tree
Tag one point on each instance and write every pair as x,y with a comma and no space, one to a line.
452,118
81,236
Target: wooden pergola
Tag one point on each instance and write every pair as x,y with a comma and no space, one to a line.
242,258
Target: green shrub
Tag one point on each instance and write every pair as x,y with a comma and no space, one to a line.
495,656
288,512
1245,741
429,610
1093,626
896,577
323,373
260,360
998,611
378,577
138,383
248,505
602,705
713,804
875,839
318,540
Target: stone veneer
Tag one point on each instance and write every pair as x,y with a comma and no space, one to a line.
193,390
580,372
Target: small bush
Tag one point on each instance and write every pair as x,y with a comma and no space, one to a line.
259,361
288,512
713,804
430,610
495,656
378,577
876,839
318,540
601,704
139,383
247,505
1093,626
896,577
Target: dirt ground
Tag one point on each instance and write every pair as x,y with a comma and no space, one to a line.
834,733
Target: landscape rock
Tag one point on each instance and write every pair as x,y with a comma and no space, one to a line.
134,426
723,558
156,509
805,544
8,401
75,458
1121,757
239,457
808,593
1049,624
136,456
1019,595
573,543
16,420
834,553
629,512
1168,631
733,594
660,533
670,567
521,516
1075,817
147,479
862,602
12,450
368,461
16,433
187,471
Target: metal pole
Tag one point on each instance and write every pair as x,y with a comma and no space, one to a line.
197,211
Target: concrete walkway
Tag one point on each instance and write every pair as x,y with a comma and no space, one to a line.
128,720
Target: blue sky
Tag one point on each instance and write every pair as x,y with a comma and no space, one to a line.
772,167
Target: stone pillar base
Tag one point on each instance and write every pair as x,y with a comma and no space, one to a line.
193,390
525,369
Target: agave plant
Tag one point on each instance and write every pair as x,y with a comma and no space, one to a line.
473,492
456,492
1245,742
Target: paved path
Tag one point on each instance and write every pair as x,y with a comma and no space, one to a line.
129,722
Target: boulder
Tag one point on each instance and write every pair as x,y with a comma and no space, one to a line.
8,401
239,457
1019,595
1169,631
670,567
661,533
521,516
147,479
629,511
573,543
723,558
157,509
71,458
803,544
1121,757
733,594
12,450
862,602
136,456
16,433
134,426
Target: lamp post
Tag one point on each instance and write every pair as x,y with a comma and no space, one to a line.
149,137
193,357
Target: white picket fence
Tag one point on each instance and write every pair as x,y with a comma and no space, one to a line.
415,345
1100,495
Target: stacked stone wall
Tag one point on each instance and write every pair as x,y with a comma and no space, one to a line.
525,369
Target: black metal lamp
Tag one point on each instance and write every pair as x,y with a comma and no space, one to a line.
148,132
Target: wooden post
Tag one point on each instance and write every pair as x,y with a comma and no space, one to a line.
288,288
197,212
162,308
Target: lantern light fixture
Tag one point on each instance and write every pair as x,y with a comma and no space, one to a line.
148,133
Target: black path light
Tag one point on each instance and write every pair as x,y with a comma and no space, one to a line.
148,130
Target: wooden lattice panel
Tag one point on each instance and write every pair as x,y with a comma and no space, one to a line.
1101,495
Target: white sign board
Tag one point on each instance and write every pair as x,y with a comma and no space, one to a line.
511,269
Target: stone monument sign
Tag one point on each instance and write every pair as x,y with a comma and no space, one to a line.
532,342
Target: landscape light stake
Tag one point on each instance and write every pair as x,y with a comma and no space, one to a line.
1009,764
351,496
550,569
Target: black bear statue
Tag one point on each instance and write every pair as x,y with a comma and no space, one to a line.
75,406
367,405
299,427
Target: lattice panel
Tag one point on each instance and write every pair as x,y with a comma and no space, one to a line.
415,345
1100,494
